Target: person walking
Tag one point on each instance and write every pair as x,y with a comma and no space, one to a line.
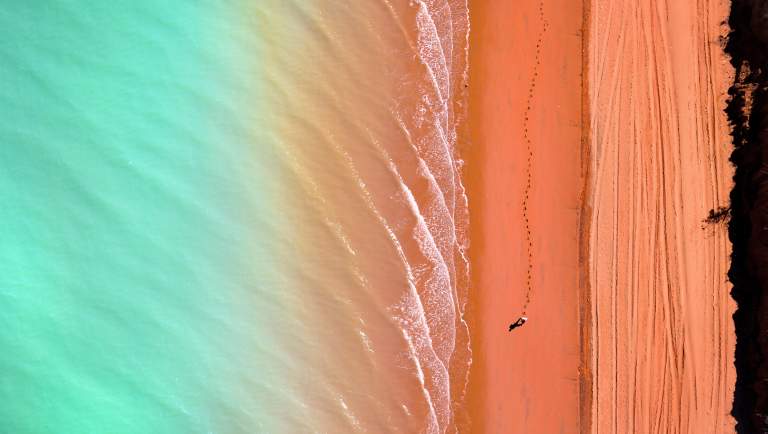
520,321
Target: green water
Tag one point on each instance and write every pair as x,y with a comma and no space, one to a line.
139,267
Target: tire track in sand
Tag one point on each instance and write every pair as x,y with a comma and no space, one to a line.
529,161
661,338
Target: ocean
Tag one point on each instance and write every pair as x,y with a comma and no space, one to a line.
233,217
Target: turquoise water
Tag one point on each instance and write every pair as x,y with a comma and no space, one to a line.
138,263
229,217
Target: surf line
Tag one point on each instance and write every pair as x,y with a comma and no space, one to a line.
529,161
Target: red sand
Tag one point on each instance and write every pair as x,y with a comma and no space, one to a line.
630,325
663,339
526,381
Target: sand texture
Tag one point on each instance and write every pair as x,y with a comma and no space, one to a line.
661,331
526,136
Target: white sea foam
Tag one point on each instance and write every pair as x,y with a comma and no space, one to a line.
431,239
350,415
433,425
442,214
411,315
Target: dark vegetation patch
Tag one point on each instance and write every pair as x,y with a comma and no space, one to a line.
747,110
719,215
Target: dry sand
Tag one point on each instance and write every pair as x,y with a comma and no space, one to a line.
662,334
526,381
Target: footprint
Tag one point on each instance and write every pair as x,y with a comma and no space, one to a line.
529,165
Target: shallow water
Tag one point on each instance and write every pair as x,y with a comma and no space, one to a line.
231,217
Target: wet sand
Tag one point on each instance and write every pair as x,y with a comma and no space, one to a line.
663,339
526,381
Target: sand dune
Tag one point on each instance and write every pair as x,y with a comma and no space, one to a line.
662,335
